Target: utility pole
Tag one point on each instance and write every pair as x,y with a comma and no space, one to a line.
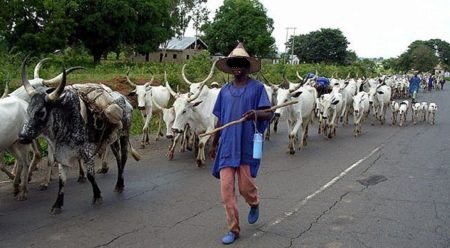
286,44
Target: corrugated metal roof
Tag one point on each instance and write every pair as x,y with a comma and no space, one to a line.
182,43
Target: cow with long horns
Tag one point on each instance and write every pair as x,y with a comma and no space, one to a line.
57,115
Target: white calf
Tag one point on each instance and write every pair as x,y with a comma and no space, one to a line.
423,111
432,110
395,106
360,110
403,111
416,109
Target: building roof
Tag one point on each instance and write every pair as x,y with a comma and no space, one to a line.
182,43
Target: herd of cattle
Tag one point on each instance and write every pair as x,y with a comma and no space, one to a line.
80,121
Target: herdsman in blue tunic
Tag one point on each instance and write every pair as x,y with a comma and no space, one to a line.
232,147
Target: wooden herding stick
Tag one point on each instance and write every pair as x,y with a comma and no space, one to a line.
243,118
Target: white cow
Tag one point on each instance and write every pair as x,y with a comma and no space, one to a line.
196,111
169,118
348,90
416,112
403,112
395,106
13,115
297,115
423,111
360,110
146,94
432,110
380,99
330,110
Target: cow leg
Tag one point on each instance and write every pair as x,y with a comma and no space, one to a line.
37,156
160,121
116,149
81,173
50,164
170,152
103,157
201,150
21,154
90,164
57,206
304,137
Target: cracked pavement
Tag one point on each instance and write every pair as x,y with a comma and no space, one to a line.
404,202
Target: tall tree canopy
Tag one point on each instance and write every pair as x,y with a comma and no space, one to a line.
100,26
423,56
243,20
326,45
35,26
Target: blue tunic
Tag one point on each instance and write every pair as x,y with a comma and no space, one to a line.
414,84
236,141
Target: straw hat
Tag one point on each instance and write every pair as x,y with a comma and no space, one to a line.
238,52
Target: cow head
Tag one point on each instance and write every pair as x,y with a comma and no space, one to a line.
41,103
142,91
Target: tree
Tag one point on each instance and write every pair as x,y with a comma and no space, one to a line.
243,20
421,55
326,45
35,26
103,25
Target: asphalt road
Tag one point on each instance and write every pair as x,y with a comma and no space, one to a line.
388,187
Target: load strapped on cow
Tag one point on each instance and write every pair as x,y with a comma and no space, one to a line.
103,113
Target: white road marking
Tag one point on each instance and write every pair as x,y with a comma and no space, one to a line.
324,187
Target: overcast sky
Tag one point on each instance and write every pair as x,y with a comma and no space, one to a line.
374,28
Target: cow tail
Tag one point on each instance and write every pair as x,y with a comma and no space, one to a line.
134,153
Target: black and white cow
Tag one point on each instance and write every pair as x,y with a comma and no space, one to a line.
57,115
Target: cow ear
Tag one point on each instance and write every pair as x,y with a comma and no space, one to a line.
335,102
297,93
132,93
380,92
195,104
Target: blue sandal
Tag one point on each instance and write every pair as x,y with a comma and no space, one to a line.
253,215
229,238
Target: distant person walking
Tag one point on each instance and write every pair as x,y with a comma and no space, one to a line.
232,147
414,85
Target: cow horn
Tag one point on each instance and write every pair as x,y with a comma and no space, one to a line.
38,67
151,80
296,88
58,79
173,93
211,72
5,93
348,76
58,91
26,84
298,75
184,76
129,81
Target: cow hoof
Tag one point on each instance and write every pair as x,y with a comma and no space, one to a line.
56,211
103,170
142,146
292,152
199,163
97,201
43,187
22,197
119,189
81,179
